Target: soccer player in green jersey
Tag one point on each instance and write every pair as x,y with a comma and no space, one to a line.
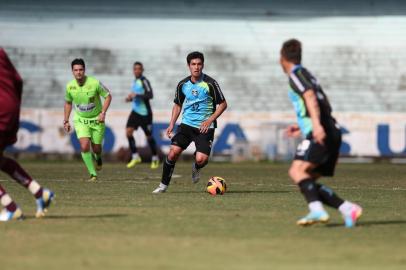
84,93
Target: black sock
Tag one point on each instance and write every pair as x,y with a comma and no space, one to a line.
309,190
152,145
167,171
131,143
328,197
197,166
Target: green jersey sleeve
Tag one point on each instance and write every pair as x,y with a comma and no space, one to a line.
103,90
68,96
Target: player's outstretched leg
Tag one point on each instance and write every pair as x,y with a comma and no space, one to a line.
167,171
168,168
201,160
135,157
10,209
351,212
43,196
153,147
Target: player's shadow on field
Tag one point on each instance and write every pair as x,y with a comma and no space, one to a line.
370,223
257,191
240,191
86,216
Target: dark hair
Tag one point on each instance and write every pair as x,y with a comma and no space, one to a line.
194,55
78,61
138,63
292,51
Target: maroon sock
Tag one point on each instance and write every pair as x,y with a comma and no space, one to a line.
11,206
12,168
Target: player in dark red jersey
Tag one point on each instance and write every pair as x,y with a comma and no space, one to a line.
11,86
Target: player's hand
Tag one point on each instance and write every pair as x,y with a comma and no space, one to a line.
102,117
292,131
66,126
130,97
169,131
319,134
204,127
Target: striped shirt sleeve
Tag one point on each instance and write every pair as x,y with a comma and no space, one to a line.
147,89
179,95
300,81
218,94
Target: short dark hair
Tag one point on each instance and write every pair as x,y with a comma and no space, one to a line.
292,51
194,55
138,63
78,61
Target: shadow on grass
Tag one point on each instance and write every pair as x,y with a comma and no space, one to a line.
257,191
370,223
235,191
81,216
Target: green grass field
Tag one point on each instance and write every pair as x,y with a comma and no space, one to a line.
118,224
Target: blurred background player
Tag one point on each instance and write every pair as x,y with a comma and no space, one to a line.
317,154
84,92
11,87
140,116
199,96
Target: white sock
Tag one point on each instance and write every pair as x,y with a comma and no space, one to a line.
34,187
154,158
345,208
5,200
316,206
135,156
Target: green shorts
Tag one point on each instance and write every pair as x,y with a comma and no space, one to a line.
89,128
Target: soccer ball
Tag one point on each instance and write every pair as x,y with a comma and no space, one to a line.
216,186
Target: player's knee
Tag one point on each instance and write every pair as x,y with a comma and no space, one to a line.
295,173
201,160
173,155
85,147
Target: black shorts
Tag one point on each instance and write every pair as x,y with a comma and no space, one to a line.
325,156
136,120
186,134
7,138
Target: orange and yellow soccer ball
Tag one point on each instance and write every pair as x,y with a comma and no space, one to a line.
216,186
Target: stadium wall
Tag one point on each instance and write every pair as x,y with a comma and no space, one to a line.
358,60
364,134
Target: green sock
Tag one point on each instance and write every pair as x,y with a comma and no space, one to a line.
87,158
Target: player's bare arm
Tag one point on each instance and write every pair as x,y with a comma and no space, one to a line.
106,105
204,127
314,111
67,111
175,115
